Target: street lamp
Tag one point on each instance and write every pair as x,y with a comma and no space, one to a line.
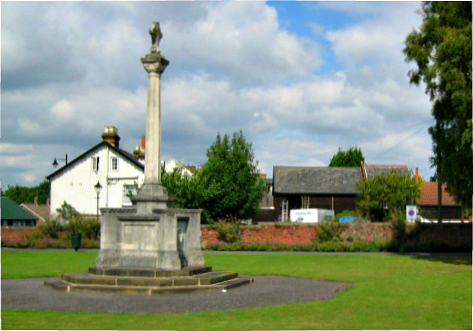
55,163
98,189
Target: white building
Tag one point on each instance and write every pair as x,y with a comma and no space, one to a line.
116,170
172,163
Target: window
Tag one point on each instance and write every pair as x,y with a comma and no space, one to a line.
128,192
305,202
114,163
95,163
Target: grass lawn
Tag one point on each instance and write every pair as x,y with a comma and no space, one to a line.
390,292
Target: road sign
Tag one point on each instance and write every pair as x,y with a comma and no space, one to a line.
411,212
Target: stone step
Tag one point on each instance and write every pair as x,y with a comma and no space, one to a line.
237,282
65,286
153,273
209,278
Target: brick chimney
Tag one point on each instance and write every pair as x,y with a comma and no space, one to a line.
110,135
139,151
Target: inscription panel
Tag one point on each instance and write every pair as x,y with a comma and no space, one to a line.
138,236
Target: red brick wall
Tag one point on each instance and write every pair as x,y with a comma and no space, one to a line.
298,233
303,234
11,233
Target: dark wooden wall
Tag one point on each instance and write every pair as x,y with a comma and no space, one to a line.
340,202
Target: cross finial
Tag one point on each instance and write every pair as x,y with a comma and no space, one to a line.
156,36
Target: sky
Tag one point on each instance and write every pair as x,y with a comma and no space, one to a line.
299,79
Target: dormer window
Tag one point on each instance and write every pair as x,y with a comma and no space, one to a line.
95,163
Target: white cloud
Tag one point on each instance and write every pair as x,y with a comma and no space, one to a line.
244,42
233,67
63,109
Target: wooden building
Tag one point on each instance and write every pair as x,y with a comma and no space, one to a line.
332,188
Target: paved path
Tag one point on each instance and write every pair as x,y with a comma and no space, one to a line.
266,290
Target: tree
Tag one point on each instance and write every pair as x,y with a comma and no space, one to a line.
228,184
349,158
189,191
442,52
387,194
24,194
232,171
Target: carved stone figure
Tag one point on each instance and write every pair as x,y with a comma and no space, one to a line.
156,35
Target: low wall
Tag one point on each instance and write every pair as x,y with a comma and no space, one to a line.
299,233
452,234
15,233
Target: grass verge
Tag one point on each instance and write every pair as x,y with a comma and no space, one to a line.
390,292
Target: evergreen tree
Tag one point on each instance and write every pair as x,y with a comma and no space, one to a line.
443,53
349,158
232,169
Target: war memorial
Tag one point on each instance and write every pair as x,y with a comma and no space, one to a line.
150,248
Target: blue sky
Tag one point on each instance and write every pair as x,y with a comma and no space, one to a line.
300,79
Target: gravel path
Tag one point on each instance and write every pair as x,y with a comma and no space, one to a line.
266,291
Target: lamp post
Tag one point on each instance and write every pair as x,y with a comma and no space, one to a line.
98,189
55,163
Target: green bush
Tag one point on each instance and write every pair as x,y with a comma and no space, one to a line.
228,230
398,223
328,231
88,227
52,228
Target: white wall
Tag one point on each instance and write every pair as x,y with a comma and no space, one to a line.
173,163
76,184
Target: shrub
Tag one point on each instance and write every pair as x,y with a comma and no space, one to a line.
398,223
89,228
51,228
228,230
328,231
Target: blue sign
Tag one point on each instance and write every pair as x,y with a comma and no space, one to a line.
346,219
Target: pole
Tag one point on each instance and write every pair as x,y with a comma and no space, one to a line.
98,206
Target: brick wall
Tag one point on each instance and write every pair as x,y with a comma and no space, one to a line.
298,233
453,234
12,233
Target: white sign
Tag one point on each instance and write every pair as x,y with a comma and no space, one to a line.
311,215
304,215
411,212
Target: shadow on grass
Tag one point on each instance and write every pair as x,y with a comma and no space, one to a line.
449,258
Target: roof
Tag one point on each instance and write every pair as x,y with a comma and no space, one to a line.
325,180
429,195
40,211
119,151
10,210
316,180
376,170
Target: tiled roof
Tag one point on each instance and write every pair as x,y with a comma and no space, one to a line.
316,180
429,195
41,211
12,211
376,170
325,180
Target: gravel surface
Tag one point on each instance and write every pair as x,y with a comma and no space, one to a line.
265,291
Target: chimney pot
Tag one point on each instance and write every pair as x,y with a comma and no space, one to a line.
110,135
